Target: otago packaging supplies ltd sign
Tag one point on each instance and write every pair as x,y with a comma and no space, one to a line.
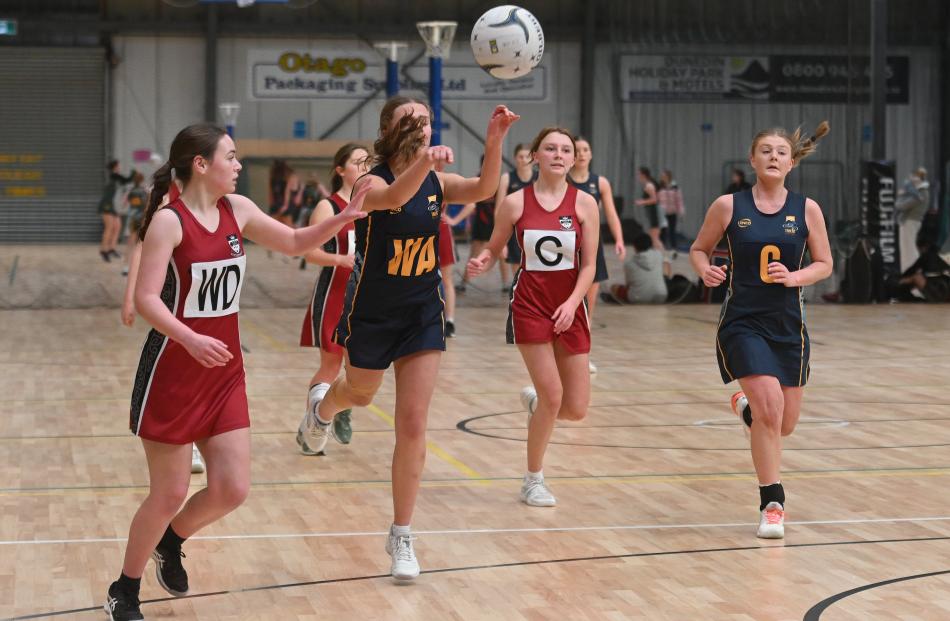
321,74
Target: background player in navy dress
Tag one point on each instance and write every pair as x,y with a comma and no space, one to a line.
393,313
761,340
557,228
326,303
190,385
597,186
518,177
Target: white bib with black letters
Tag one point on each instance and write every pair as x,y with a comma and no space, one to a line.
215,288
549,251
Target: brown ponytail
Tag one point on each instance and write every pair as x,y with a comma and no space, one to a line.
402,141
801,147
198,139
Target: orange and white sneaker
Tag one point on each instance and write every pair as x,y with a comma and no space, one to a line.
772,522
739,405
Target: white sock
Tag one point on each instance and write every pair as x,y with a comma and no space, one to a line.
400,531
534,476
450,319
318,391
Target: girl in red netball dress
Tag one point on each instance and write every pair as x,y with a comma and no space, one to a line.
326,304
557,229
189,386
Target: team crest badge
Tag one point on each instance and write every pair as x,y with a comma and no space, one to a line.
790,227
235,245
745,223
433,206
567,223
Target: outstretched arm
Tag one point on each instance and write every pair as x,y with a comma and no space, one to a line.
459,189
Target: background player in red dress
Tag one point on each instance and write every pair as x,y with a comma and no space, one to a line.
326,303
190,385
557,229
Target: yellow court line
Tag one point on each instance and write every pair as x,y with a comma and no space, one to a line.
433,448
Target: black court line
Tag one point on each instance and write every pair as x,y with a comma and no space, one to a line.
463,426
607,477
446,570
814,613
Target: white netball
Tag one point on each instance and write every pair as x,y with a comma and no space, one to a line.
507,41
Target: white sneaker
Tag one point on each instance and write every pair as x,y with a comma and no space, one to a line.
405,566
197,463
591,367
536,494
772,522
312,435
529,399
739,403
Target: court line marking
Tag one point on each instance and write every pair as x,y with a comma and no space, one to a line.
814,613
719,390
605,479
259,331
432,447
494,531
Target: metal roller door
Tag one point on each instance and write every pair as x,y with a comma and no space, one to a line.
52,143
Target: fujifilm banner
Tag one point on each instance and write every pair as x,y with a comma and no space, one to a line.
878,221
328,74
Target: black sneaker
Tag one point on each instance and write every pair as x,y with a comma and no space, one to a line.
449,329
114,253
105,256
170,572
120,606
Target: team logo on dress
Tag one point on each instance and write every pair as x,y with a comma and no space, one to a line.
745,223
592,187
567,223
235,245
790,227
433,206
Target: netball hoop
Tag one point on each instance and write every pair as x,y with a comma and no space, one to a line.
229,114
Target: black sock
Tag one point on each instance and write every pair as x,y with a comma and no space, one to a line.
170,540
129,585
771,493
747,415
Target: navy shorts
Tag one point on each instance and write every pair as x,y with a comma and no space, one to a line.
373,340
743,352
514,251
600,274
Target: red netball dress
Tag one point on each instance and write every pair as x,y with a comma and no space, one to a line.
550,243
446,243
326,304
175,399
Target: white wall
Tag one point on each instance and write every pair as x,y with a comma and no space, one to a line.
147,116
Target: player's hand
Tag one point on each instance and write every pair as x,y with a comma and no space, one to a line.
208,351
564,316
780,274
439,155
713,276
345,260
128,313
500,121
621,250
354,211
477,265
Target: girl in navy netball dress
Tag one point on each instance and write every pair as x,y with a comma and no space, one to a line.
597,186
190,386
326,303
393,313
524,173
761,340
557,228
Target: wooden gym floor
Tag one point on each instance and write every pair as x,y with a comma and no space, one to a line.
657,501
